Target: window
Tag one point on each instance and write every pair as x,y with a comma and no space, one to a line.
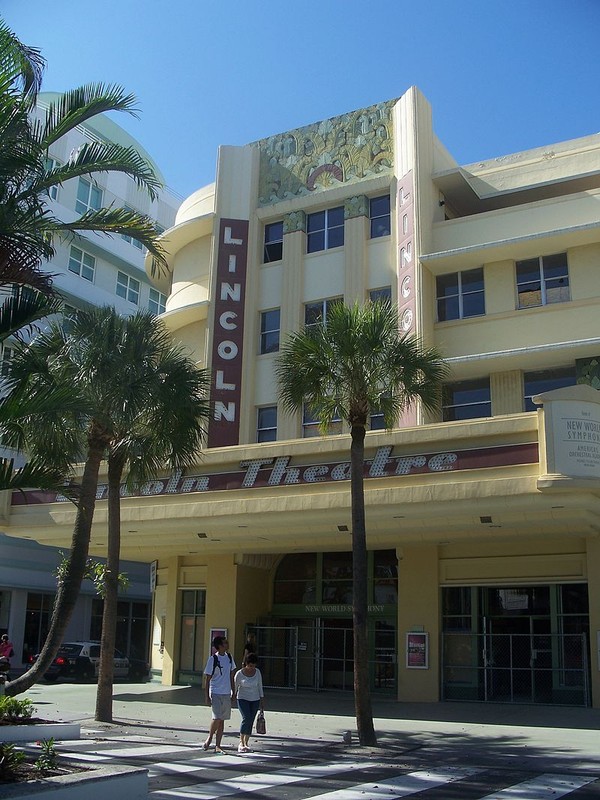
6,355
89,197
130,239
466,400
157,302
377,423
544,381
269,331
273,242
325,229
310,425
82,264
128,288
52,163
543,280
383,295
316,313
266,428
191,640
460,295
379,214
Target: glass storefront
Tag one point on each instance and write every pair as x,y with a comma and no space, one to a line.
526,644
133,626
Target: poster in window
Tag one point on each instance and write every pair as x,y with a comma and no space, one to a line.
417,650
216,632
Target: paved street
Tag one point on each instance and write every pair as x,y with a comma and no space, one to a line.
441,751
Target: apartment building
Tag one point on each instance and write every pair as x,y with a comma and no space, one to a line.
482,519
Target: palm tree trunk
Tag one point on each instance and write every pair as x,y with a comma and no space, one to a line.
362,691
104,696
69,584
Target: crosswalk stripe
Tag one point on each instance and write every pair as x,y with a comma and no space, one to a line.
398,786
543,787
256,782
206,762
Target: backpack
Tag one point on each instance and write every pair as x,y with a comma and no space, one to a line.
216,664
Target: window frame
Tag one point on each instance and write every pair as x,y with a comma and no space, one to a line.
128,288
558,377
463,386
81,263
273,247
326,305
263,432
327,231
137,244
266,334
160,304
83,206
373,218
51,164
383,294
310,425
544,279
459,296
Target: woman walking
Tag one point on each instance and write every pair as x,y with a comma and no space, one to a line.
250,695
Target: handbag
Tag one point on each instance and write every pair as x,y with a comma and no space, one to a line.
261,723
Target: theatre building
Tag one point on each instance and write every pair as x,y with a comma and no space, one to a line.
482,519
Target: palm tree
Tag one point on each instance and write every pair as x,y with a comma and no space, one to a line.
132,388
355,363
169,430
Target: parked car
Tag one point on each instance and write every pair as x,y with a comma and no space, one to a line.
81,661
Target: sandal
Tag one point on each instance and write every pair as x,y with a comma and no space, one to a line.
205,745
219,751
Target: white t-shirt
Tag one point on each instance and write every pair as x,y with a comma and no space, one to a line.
248,687
220,682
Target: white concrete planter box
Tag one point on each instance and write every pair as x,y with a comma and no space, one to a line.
96,783
37,731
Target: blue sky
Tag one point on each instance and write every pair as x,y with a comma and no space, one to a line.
501,76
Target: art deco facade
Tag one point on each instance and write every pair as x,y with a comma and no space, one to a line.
482,520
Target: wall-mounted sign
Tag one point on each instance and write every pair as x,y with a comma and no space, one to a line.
228,333
572,431
417,650
269,472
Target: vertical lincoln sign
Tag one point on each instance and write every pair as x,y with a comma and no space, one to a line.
228,333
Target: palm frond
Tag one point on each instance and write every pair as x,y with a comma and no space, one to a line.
77,106
119,221
35,474
97,157
26,64
24,308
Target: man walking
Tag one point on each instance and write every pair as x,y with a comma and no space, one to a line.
219,672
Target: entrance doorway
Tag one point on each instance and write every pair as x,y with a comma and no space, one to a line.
319,654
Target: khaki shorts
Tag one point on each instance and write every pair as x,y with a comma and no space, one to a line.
221,706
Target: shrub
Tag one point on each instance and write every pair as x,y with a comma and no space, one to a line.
13,710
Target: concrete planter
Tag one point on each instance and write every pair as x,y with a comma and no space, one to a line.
37,731
96,783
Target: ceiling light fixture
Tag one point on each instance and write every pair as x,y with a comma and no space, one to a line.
343,528
485,520
201,535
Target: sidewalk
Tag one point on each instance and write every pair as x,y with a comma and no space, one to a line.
444,731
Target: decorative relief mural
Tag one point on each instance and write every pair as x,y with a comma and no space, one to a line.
342,149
